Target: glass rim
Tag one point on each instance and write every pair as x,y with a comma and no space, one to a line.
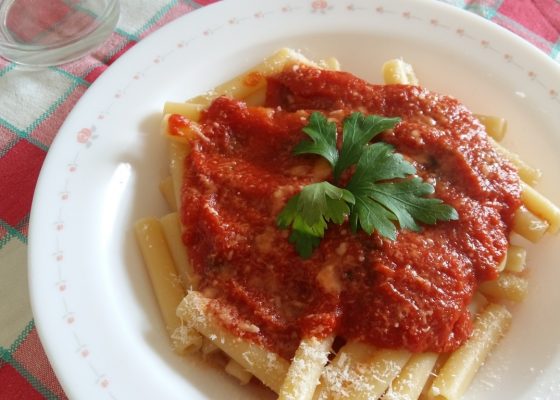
31,48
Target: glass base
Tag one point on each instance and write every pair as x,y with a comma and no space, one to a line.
42,33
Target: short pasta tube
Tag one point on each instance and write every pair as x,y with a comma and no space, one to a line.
496,127
168,192
236,370
267,366
190,110
177,154
409,383
506,287
541,207
397,71
526,172
254,79
305,369
171,226
528,225
516,258
457,373
161,269
186,339
360,372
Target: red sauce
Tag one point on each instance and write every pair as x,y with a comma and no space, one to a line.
409,293
177,125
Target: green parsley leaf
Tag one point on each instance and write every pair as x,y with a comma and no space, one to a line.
379,162
309,211
358,130
293,213
323,134
378,204
371,216
303,238
405,200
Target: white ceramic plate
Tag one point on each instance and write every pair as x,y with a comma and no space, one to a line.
93,305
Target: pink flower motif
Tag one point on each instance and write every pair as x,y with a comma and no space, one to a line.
380,10
319,5
350,7
553,93
84,135
64,195
406,14
104,383
58,256
508,57
434,22
59,226
136,77
532,74
84,353
233,21
259,14
101,116
72,167
286,9
460,31
70,320
484,43
62,287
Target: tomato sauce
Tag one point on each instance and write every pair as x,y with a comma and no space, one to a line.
177,124
409,293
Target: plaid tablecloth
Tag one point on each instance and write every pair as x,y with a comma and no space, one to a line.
33,105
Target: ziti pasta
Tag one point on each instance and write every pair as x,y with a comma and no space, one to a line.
336,239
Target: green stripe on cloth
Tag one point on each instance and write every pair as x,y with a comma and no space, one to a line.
127,35
457,3
26,134
12,232
7,69
484,10
67,74
6,356
51,109
93,15
156,17
555,52
22,135
22,336
22,226
72,4
8,146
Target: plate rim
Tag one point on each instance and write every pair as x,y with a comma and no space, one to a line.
36,231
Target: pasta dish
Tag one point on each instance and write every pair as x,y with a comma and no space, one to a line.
337,239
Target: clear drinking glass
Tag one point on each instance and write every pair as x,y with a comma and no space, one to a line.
49,32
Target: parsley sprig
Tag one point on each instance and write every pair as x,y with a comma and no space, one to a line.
310,210
381,191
